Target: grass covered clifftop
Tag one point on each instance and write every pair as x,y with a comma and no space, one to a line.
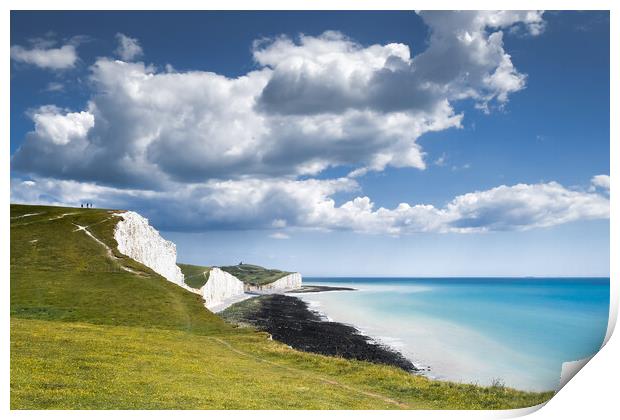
255,274
92,329
196,276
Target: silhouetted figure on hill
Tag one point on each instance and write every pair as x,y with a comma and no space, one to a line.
82,205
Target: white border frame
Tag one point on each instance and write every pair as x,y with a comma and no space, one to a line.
593,393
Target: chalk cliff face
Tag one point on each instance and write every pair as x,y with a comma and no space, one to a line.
224,288
220,287
288,282
141,242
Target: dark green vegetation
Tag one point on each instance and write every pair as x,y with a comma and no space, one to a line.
86,333
196,276
255,274
242,313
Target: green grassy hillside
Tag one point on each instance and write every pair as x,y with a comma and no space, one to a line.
255,274
195,275
58,273
87,333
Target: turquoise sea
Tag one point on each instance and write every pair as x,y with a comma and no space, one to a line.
477,330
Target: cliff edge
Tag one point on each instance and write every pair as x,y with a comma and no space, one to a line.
140,241
143,243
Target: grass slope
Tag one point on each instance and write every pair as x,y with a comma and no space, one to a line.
255,274
60,274
196,276
87,334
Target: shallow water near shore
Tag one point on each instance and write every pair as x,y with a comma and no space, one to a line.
476,330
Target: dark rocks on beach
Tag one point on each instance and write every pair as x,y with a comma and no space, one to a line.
289,320
315,289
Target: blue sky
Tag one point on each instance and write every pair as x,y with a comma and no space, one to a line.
266,136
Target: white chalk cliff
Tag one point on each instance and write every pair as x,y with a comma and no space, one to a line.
223,289
288,282
142,242
220,287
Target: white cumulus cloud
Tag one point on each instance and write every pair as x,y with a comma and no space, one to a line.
244,152
61,58
601,181
310,204
313,103
52,125
128,48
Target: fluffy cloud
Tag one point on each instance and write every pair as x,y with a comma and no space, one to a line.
524,206
46,57
314,103
234,204
331,73
128,48
465,59
278,204
517,207
241,152
198,125
52,125
602,182
466,56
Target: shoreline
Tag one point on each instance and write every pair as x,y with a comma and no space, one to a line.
226,303
456,348
314,306
291,321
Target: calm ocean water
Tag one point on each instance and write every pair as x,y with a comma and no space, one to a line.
476,330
